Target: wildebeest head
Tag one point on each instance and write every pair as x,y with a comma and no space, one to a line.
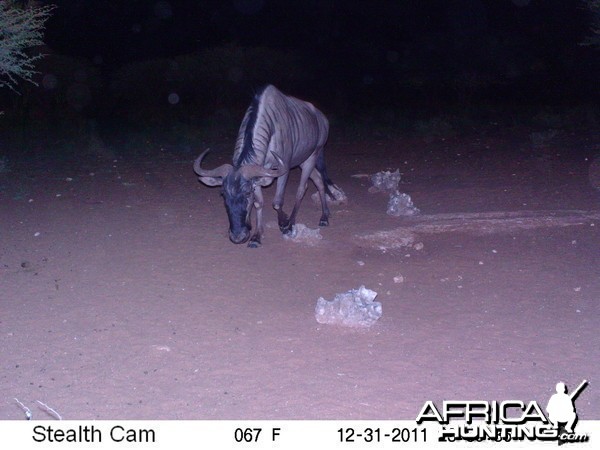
238,184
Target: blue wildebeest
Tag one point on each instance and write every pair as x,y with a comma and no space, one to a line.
277,134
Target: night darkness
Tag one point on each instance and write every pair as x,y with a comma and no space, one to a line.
466,32
349,56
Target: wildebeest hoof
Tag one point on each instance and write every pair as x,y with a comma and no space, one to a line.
323,223
254,244
286,229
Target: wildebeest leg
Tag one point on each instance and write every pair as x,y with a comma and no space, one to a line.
318,180
282,218
258,204
307,168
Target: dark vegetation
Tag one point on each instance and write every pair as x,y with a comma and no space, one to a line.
452,74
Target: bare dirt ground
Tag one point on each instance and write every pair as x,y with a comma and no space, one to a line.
121,296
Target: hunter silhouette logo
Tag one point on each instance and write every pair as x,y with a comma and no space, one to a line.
561,410
509,420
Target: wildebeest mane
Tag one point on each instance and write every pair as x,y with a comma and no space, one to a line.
247,148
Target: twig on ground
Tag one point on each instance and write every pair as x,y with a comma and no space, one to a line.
50,410
27,411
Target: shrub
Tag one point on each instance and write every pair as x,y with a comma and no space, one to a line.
594,7
20,30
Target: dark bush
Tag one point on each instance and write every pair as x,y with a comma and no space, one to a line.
192,88
63,100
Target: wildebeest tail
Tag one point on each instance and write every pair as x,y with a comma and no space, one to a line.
323,171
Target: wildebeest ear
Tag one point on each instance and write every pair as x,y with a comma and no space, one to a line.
264,181
211,181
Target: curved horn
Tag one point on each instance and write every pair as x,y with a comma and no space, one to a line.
219,172
254,170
